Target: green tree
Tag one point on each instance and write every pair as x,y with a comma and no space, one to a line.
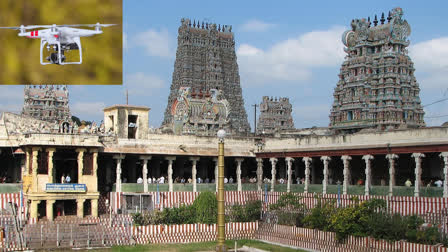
206,208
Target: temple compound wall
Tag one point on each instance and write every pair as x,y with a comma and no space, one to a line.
377,88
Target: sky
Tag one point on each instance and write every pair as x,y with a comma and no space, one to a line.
284,49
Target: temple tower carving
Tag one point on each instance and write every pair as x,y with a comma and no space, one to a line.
206,82
275,115
47,103
377,88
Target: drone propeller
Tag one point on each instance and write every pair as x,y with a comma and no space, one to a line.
88,25
26,27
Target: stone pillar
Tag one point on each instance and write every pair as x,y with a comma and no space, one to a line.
35,152
367,159
326,160
216,172
170,172
259,173
34,207
307,161
95,162
391,158
119,159
145,172
94,187
273,172
346,159
444,155
80,164
289,161
28,156
50,215
194,172
94,205
80,208
238,173
418,172
51,171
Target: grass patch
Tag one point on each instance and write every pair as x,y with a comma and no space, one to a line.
203,246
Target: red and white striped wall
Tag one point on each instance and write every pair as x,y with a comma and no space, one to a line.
186,233
5,198
396,204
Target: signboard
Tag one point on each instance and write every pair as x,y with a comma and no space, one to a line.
66,188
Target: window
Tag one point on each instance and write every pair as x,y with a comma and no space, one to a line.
87,163
42,162
349,115
111,118
132,126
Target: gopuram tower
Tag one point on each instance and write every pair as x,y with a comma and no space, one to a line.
377,88
205,92
47,103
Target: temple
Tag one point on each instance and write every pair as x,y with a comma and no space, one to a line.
205,64
48,103
275,115
377,88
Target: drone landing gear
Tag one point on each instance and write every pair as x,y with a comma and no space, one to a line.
56,55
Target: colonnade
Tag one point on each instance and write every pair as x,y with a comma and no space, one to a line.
392,158
346,159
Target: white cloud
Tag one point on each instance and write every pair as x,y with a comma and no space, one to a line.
431,62
155,43
87,110
143,83
292,59
255,25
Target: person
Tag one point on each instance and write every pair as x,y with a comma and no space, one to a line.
429,183
230,180
139,180
149,180
226,180
408,183
383,182
207,180
68,179
360,182
298,180
162,180
63,179
182,180
438,183
199,180
189,180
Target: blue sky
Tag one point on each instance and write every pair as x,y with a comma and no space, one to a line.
284,48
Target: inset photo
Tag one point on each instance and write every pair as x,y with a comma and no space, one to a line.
61,42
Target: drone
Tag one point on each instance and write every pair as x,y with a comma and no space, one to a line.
59,39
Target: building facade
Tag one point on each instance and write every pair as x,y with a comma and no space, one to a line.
206,60
377,88
275,115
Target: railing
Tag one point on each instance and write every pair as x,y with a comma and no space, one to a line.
317,188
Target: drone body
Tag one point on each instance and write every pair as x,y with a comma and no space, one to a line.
60,38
